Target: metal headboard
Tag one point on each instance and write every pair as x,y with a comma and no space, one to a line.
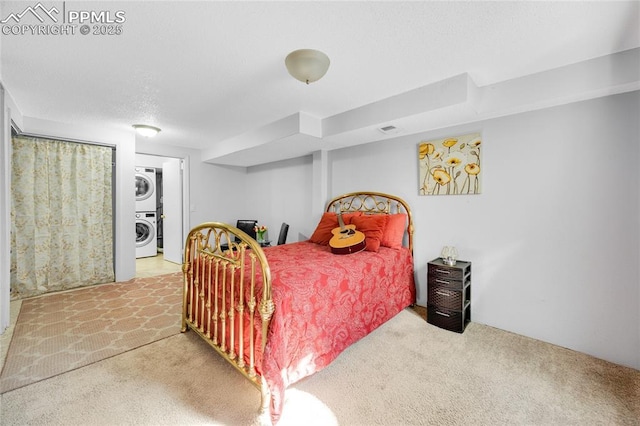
373,203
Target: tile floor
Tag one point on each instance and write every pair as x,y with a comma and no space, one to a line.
156,265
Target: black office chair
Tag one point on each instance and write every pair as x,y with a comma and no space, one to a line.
248,226
284,229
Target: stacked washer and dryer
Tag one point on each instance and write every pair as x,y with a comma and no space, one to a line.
146,223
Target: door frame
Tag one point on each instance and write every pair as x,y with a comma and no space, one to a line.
5,213
185,189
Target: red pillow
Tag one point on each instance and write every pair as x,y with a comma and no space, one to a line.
394,231
328,222
372,226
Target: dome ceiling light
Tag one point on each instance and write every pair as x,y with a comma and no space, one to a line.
307,65
146,130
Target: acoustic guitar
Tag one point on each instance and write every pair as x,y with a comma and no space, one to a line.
346,239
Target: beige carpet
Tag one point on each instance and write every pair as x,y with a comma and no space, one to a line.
405,373
60,332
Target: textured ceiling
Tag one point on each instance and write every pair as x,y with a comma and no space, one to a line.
206,72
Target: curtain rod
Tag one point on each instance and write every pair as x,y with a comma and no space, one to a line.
19,132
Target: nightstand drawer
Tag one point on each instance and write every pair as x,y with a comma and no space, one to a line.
449,320
448,282
439,269
448,298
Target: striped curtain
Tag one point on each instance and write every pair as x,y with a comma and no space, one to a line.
61,216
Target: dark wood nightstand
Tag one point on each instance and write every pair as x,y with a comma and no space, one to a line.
449,294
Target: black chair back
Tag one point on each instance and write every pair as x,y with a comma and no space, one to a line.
247,226
282,238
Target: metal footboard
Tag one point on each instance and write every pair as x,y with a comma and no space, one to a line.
227,296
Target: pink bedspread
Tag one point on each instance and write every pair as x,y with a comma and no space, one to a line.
324,303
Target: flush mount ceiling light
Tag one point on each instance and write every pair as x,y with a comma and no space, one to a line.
307,65
145,130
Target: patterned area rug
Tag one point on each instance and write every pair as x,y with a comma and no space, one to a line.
64,331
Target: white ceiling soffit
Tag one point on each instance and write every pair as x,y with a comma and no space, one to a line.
456,100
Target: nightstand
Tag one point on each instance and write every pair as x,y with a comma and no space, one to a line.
449,294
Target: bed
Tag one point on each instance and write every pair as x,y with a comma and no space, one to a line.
279,314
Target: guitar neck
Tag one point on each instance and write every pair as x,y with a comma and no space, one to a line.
340,221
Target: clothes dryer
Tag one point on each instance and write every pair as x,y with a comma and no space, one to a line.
145,189
146,234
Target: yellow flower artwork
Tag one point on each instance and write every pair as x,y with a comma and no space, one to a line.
450,166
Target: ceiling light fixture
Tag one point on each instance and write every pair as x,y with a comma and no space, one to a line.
145,130
307,65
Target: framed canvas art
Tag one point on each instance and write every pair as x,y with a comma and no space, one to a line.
450,166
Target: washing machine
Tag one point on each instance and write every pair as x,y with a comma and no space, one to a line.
146,234
145,189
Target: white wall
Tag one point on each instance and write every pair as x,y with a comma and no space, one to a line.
554,235
271,193
280,192
215,192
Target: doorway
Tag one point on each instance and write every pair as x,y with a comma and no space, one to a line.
171,218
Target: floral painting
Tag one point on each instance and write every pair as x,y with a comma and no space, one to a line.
450,166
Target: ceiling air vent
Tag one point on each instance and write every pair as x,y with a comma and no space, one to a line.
389,130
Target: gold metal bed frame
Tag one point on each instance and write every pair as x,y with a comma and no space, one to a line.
213,276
